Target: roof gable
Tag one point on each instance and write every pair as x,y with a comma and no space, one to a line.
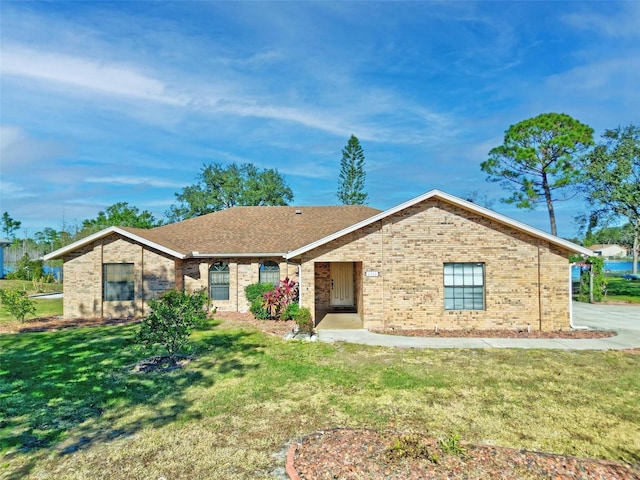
455,201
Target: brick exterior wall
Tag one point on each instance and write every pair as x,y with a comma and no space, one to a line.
242,272
83,282
526,279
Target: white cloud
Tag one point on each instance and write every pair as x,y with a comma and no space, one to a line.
18,149
132,180
624,24
84,73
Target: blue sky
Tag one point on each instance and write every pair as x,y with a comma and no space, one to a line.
125,101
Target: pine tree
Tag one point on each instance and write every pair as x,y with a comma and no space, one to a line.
352,174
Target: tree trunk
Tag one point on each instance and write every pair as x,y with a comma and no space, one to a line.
547,196
636,246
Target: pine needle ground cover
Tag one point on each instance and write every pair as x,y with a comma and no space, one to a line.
73,406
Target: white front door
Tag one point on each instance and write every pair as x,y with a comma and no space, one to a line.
342,284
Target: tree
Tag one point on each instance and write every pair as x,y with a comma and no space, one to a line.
220,187
537,160
611,177
171,320
9,225
119,214
18,304
352,174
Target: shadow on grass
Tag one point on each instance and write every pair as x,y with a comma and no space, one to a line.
52,383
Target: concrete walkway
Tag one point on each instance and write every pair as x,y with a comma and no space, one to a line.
624,319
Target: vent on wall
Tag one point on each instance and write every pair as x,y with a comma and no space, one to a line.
298,212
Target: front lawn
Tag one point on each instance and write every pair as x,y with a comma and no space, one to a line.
622,290
73,408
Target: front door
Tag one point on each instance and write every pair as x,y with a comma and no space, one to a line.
342,284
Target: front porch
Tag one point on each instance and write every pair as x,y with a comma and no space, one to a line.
338,295
339,321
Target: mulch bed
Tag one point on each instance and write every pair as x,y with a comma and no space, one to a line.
366,454
500,333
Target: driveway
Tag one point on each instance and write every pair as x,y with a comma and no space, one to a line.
622,318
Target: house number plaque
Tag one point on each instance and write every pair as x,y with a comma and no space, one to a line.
371,274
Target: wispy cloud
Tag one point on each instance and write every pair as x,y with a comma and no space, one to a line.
624,23
134,180
103,77
18,149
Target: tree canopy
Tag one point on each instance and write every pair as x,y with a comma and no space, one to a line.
352,174
538,160
119,214
9,225
219,187
611,177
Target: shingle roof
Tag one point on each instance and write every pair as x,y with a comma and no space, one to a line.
248,230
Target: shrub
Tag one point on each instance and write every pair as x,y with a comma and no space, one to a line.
277,300
256,291
304,321
290,312
255,296
27,269
18,304
411,447
258,310
171,319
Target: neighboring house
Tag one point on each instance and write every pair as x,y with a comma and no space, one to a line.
3,243
609,251
435,260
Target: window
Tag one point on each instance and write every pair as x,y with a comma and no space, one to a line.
219,281
118,281
270,273
464,286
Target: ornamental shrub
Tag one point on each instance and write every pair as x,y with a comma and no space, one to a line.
290,312
277,300
304,321
255,296
18,304
171,320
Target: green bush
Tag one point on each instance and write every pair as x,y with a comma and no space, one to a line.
171,319
27,269
256,291
290,312
304,321
18,304
258,309
255,296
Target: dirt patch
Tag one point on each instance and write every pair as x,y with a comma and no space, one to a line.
359,454
160,363
500,333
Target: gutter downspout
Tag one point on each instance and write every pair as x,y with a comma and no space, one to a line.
573,327
299,280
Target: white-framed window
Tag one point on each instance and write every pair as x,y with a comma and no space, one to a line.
219,281
270,272
464,286
118,282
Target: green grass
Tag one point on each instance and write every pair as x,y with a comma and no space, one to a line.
30,287
73,409
45,307
621,290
